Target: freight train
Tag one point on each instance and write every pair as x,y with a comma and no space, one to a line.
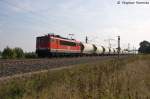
54,45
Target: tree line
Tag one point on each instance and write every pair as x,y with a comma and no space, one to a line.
16,53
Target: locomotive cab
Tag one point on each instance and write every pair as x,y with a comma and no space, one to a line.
42,44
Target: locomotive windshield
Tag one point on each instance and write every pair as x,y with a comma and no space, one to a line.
42,41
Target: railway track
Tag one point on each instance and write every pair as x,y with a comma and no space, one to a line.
13,67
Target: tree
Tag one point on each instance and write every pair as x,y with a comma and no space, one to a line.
8,53
144,47
19,52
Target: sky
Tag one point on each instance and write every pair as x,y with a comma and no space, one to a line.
21,21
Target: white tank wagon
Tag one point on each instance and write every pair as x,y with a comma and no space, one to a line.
115,51
121,51
125,52
88,48
106,50
130,52
99,50
111,51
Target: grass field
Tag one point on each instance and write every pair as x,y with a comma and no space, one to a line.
113,79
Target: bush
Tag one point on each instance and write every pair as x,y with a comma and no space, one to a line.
31,55
8,53
19,52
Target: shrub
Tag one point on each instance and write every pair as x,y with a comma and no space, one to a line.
19,52
8,53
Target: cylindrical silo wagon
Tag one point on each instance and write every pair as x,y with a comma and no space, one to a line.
88,48
99,50
106,50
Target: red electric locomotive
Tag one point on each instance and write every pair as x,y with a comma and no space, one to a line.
55,45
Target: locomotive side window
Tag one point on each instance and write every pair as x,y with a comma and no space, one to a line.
67,43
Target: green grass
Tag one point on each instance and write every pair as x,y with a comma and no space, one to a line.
113,79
